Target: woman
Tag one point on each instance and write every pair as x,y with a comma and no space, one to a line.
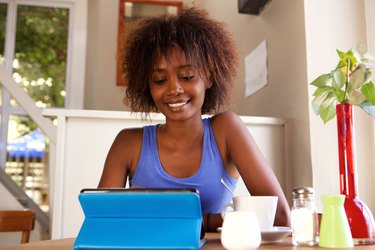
183,67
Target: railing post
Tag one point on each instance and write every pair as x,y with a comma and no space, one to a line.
28,104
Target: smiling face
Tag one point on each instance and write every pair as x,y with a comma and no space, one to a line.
177,87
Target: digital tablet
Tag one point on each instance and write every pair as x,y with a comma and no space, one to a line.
119,218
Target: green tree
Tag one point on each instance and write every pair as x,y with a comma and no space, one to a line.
39,64
3,15
41,53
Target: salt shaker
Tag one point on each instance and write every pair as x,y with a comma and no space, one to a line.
305,223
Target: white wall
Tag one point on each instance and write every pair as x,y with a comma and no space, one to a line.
101,91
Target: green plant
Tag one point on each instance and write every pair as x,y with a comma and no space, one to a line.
350,82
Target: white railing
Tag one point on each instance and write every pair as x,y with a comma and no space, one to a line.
27,103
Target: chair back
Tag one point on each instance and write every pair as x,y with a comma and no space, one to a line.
17,220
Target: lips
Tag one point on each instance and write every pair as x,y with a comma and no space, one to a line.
177,103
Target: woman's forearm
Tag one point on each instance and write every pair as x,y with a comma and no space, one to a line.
211,222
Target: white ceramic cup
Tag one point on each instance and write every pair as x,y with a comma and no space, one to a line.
263,206
240,230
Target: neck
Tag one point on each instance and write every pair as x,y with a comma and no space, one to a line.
182,131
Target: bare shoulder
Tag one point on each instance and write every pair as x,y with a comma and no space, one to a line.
225,121
227,126
127,144
122,157
130,135
230,135
230,132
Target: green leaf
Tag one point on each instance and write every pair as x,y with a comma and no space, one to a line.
340,95
350,88
323,89
358,76
370,109
328,108
338,79
328,113
345,59
340,53
368,75
322,81
317,102
368,90
341,64
353,60
356,97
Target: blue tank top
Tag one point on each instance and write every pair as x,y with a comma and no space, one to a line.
207,180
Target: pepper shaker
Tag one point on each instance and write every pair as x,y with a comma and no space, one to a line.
305,223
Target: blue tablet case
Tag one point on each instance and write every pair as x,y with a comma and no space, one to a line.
140,219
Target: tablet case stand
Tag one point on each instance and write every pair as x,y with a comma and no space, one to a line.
140,220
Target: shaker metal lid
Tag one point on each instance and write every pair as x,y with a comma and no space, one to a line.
303,192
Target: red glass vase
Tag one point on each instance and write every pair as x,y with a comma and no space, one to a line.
360,218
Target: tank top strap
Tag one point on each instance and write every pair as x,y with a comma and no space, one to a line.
149,154
149,143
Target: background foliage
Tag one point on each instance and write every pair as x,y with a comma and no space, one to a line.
40,55
41,51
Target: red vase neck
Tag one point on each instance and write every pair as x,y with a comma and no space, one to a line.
346,148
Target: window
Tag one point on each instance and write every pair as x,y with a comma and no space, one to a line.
37,39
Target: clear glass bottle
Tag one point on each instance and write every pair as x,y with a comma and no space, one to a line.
305,223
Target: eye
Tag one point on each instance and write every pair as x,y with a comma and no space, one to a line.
187,73
158,78
159,81
188,77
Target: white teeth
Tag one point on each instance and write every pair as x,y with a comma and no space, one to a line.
175,105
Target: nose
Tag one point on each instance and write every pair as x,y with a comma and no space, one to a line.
174,87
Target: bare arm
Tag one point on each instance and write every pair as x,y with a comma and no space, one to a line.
122,158
240,150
